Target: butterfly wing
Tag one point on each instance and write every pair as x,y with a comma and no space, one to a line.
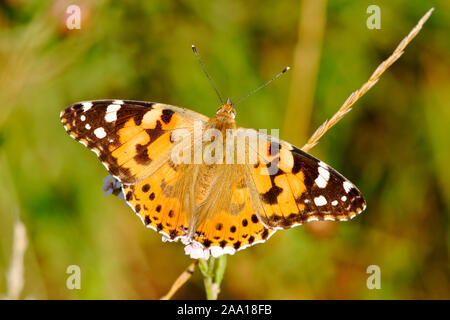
121,133
232,223
158,200
229,222
290,187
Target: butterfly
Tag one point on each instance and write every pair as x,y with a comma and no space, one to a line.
217,207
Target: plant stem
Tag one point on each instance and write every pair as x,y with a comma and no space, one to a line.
220,269
213,275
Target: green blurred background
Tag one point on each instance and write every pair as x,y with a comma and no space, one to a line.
394,145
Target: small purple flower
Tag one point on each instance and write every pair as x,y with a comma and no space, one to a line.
112,185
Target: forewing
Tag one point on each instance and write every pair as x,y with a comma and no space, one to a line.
132,139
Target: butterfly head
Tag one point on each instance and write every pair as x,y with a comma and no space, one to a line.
226,111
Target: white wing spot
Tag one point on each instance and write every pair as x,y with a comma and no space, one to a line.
321,182
87,126
344,198
111,112
83,117
322,164
323,177
110,117
118,102
324,172
334,203
113,108
320,201
100,133
347,186
87,106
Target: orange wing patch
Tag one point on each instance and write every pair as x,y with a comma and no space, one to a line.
121,133
293,188
152,200
235,227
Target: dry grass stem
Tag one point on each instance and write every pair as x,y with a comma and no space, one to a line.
346,107
307,53
181,280
15,275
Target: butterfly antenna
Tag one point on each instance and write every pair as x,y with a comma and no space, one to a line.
206,73
260,87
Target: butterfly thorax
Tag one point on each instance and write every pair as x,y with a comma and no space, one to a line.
207,172
225,115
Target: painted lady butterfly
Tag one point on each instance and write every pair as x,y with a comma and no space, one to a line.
214,208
